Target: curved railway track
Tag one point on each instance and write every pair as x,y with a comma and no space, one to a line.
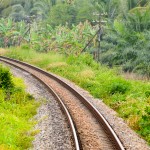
90,130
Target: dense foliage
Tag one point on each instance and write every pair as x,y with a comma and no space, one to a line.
12,33
127,42
60,11
56,11
125,39
5,79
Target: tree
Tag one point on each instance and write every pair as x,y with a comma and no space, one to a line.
136,3
53,2
138,19
19,9
61,14
85,10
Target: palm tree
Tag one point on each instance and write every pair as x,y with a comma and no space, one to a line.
135,3
17,10
17,13
53,2
41,8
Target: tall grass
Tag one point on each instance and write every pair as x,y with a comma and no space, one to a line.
34,57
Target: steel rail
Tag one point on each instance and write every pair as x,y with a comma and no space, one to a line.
100,118
63,107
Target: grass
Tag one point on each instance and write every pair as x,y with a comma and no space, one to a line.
3,51
16,111
35,58
130,98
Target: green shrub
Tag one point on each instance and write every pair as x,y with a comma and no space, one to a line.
25,46
147,110
119,87
84,59
117,100
144,124
5,78
147,93
128,67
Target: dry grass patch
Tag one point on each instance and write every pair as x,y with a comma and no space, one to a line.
36,60
132,121
3,147
3,51
56,65
134,76
87,74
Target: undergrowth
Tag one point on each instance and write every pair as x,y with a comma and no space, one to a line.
16,110
130,98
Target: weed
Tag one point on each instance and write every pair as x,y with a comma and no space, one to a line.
119,87
5,78
147,93
87,73
3,51
25,46
56,65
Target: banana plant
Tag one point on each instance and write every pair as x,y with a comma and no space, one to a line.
6,28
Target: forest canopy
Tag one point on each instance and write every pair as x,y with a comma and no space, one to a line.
124,39
72,11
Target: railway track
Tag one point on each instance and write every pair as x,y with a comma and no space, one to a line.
90,130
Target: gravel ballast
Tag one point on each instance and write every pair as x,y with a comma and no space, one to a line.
54,133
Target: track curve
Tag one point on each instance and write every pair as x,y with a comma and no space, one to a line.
115,142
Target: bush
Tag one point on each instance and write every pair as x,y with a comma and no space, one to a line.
25,46
119,87
85,59
128,67
147,93
144,124
5,78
